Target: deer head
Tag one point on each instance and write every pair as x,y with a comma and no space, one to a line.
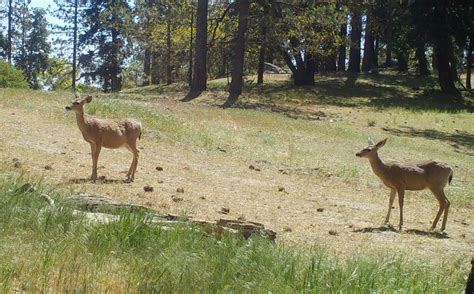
371,148
78,104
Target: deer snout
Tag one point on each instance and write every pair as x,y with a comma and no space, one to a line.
68,108
358,154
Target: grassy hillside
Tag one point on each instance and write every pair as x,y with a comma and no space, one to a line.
304,140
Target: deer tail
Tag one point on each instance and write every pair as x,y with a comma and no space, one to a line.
451,177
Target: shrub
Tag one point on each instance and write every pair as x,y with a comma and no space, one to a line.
11,77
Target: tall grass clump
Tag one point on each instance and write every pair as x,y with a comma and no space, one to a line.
49,249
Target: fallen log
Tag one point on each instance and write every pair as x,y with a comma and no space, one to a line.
106,210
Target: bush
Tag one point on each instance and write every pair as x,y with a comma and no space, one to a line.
11,77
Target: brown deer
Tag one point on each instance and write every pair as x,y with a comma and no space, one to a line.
399,177
107,133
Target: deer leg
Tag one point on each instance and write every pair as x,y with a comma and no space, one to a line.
390,204
95,158
441,200
133,167
446,209
94,163
401,197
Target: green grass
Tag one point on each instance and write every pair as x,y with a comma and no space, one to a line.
44,249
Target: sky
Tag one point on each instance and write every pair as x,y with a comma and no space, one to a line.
44,4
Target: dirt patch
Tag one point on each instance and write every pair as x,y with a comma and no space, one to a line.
312,209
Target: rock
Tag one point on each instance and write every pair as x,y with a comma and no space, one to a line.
148,188
281,189
16,163
287,229
180,190
225,210
320,209
333,233
202,198
176,198
28,187
159,168
251,167
48,167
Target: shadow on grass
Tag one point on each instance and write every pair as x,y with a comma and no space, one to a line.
377,90
463,139
288,111
383,229
433,234
100,180
191,95
376,229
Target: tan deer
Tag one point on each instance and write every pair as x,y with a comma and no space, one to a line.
399,177
107,133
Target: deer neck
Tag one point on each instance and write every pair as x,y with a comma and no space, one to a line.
377,165
81,121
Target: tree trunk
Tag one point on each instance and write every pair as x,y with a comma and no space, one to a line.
388,53
434,61
269,56
445,75
422,61
310,69
330,63
469,63
155,67
443,50
74,49
190,66
200,55
235,88
169,78
10,20
115,81
354,53
453,62
402,59
369,51
261,64
146,67
376,53
341,62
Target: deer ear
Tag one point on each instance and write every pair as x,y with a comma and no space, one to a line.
381,143
370,142
88,99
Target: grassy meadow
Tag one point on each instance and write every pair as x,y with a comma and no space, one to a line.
44,249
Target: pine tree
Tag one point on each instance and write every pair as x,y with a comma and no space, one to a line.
38,47
33,46
108,24
69,11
